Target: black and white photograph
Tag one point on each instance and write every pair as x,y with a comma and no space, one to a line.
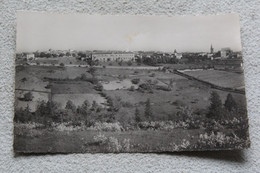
128,84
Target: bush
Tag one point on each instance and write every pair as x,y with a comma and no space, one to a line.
62,64
113,145
83,77
152,75
218,139
145,86
70,106
100,139
129,63
135,81
98,87
126,104
132,88
126,145
28,96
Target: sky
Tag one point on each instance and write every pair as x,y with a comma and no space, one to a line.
43,31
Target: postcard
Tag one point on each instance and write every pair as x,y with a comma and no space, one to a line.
131,84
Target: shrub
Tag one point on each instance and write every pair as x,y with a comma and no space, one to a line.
98,87
100,139
70,106
23,79
113,145
83,77
62,64
28,96
135,81
126,145
145,86
129,63
218,139
126,104
132,88
152,75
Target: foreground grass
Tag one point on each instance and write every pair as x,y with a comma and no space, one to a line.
52,141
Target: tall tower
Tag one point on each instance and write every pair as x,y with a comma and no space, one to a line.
211,49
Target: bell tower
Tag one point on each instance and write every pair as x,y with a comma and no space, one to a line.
211,49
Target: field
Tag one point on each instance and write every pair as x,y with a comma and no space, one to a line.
220,78
124,91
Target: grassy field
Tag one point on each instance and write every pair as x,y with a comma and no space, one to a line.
84,141
116,85
184,92
220,78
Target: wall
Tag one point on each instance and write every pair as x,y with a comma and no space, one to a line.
244,161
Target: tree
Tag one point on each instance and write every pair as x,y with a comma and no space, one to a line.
92,71
85,105
215,108
137,115
230,103
28,96
148,112
129,63
46,112
23,115
83,77
94,105
70,106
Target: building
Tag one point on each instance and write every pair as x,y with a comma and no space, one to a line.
211,50
119,56
30,56
177,55
225,52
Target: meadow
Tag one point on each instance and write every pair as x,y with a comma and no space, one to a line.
123,94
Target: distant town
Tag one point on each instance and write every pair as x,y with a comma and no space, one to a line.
224,59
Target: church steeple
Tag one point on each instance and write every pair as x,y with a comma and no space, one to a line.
211,49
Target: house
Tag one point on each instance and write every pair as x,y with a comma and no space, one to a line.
225,52
178,55
30,56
